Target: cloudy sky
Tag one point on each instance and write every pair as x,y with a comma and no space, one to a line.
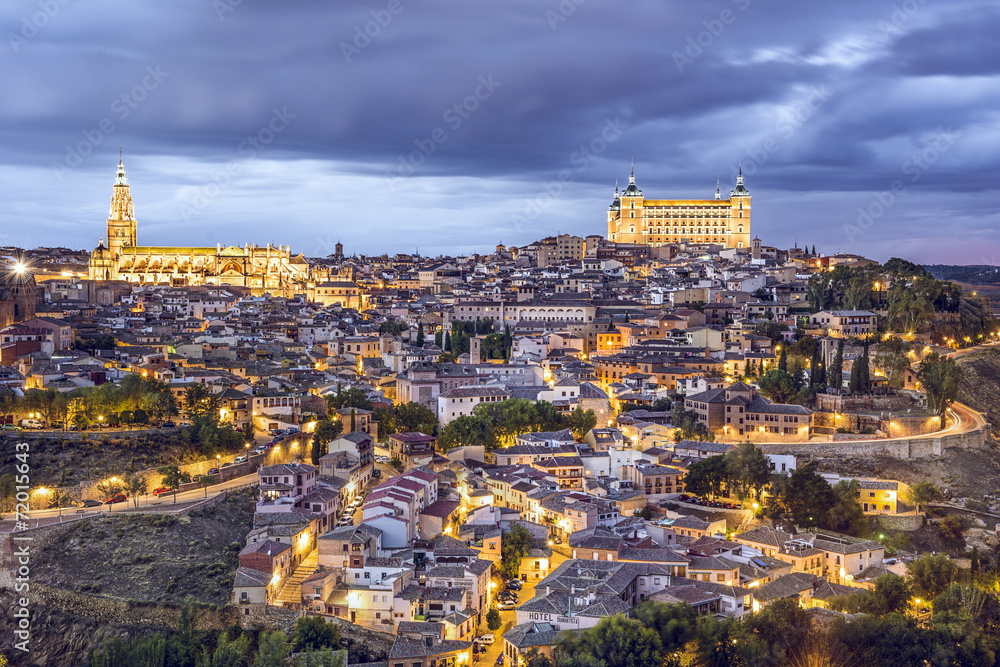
394,125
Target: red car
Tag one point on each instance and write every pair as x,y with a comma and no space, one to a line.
120,498
162,489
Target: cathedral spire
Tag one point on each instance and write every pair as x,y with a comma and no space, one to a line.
718,193
120,179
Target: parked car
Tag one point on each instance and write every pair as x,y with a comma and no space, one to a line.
167,424
32,424
239,459
162,489
118,498
293,430
683,497
11,427
514,585
507,595
228,464
506,605
92,503
557,540
376,473
213,471
483,639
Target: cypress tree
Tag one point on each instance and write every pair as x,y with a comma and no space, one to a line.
447,341
783,361
864,374
354,417
438,339
835,374
852,384
420,334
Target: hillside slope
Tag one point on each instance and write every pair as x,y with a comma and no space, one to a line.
151,557
981,387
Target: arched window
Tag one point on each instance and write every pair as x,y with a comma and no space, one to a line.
739,229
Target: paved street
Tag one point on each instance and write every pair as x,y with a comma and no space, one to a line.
509,618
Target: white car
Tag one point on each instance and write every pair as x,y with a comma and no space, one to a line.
505,605
483,639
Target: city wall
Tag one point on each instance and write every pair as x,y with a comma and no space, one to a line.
911,448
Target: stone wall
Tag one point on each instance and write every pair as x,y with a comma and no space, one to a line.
905,522
896,402
901,449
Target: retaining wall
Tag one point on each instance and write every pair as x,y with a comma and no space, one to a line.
901,449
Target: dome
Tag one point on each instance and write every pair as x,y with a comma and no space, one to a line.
101,252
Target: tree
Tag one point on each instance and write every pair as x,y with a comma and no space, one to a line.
845,515
817,376
688,425
324,432
467,431
921,493
110,488
135,486
352,397
930,576
493,620
893,593
808,497
447,341
313,632
582,422
615,641
514,545
779,628
676,624
272,650
777,385
941,378
707,476
172,478
835,374
783,360
205,481
420,334
415,417
747,470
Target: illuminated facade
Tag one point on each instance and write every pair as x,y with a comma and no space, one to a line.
270,269
657,222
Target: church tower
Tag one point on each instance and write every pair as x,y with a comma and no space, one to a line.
739,217
121,218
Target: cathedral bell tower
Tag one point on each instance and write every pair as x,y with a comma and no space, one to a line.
121,218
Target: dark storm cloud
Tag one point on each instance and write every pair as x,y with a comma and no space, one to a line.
825,104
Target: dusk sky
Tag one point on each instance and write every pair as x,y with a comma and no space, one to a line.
393,125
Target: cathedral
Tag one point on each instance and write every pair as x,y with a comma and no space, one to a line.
260,268
657,222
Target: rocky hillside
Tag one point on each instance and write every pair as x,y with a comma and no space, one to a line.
68,460
981,387
151,557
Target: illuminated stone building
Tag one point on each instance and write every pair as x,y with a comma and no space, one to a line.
657,222
261,268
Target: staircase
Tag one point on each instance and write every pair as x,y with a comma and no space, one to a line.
291,592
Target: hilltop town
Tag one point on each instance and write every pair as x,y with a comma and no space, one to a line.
450,460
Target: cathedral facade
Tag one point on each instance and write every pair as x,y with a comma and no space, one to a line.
657,222
261,268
